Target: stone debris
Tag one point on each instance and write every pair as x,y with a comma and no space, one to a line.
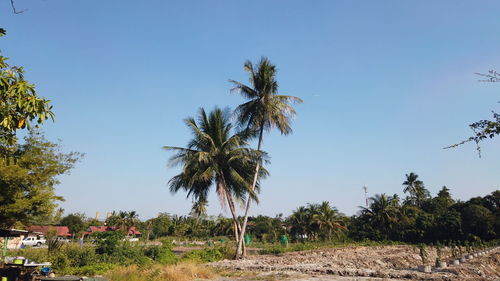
391,262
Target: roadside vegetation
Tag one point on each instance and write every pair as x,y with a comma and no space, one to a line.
111,251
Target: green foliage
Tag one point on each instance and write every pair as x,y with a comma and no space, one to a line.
160,225
53,245
439,219
123,220
266,109
27,185
316,222
79,257
91,270
416,189
19,103
478,221
162,254
108,242
30,253
439,253
75,223
215,158
455,250
423,253
208,254
422,219
110,252
266,229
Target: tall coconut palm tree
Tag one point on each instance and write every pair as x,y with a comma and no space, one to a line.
415,188
214,157
264,111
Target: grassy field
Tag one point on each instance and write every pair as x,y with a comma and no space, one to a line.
184,271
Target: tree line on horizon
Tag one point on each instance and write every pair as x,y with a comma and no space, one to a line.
418,218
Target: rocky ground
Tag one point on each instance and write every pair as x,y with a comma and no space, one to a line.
358,263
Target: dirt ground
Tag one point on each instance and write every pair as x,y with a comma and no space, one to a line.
358,263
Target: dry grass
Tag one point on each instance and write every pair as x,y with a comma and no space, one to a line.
178,272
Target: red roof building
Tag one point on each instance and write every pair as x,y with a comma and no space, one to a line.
61,231
134,232
93,229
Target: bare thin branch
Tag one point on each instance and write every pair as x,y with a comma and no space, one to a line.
14,8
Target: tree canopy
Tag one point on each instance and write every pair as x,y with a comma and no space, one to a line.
215,157
20,104
27,184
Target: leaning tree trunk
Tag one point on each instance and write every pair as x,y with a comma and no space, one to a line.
230,202
241,251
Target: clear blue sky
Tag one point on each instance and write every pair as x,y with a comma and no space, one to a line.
386,85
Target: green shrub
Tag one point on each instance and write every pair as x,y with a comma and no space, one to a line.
162,254
272,250
38,255
60,263
80,256
108,242
207,255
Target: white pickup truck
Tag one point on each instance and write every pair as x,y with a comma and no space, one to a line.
34,241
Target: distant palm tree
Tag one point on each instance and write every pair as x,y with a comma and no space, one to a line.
412,183
214,157
132,219
199,208
313,226
415,188
328,219
264,111
383,210
122,221
222,227
299,222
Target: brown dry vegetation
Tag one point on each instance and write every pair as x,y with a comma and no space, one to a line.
398,262
179,272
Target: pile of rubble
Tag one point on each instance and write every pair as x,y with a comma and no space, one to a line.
396,262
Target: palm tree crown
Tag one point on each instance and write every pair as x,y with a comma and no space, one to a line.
416,189
213,156
265,108
383,209
199,208
412,183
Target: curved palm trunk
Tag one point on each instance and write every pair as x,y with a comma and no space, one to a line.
230,202
241,251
